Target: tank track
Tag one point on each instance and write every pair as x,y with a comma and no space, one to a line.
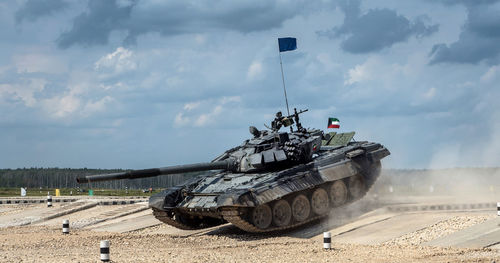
165,218
234,217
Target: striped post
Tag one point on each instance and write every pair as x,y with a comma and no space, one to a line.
498,208
65,227
105,250
49,200
327,240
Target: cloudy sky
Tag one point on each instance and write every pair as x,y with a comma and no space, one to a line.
137,84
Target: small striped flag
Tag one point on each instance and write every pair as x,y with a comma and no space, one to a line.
333,123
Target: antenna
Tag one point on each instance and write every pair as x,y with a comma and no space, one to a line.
284,89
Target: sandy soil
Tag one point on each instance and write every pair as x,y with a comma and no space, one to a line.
48,244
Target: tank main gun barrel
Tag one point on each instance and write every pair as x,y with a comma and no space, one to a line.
229,165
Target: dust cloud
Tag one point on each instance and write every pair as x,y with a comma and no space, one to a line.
462,184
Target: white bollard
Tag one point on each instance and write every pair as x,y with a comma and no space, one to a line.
49,201
105,250
327,240
498,208
65,228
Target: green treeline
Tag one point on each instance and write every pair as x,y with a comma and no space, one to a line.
66,178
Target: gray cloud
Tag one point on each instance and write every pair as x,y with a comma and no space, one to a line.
465,2
376,29
93,27
34,9
478,40
172,18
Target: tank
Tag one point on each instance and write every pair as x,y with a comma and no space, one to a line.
273,181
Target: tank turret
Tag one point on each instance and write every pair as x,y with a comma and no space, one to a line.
266,150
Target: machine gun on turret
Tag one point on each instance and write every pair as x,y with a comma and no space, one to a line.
288,121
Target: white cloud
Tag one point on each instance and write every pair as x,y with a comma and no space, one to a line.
30,63
200,39
327,63
72,105
255,71
377,68
358,74
429,94
202,113
180,120
490,74
118,85
96,106
202,120
61,106
120,61
226,100
24,92
192,105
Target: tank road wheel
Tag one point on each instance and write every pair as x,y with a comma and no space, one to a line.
282,213
319,202
301,208
262,216
356,186
338,193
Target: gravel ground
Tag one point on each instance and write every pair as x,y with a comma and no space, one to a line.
48,244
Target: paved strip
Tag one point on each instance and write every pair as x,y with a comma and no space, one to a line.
97,215
486,234
130,223
364,222
42,212
497,246
386,229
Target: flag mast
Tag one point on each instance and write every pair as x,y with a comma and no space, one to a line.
283,79
286,44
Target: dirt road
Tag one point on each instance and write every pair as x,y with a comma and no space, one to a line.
48,244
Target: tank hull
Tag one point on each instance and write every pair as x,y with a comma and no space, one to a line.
274,200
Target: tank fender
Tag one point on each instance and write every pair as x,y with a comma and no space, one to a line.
166,199
354,153
171,197
378,154
234,199
157,200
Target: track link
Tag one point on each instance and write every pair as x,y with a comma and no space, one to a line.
233,217
165,218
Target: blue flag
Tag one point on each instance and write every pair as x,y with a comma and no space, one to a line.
287,43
